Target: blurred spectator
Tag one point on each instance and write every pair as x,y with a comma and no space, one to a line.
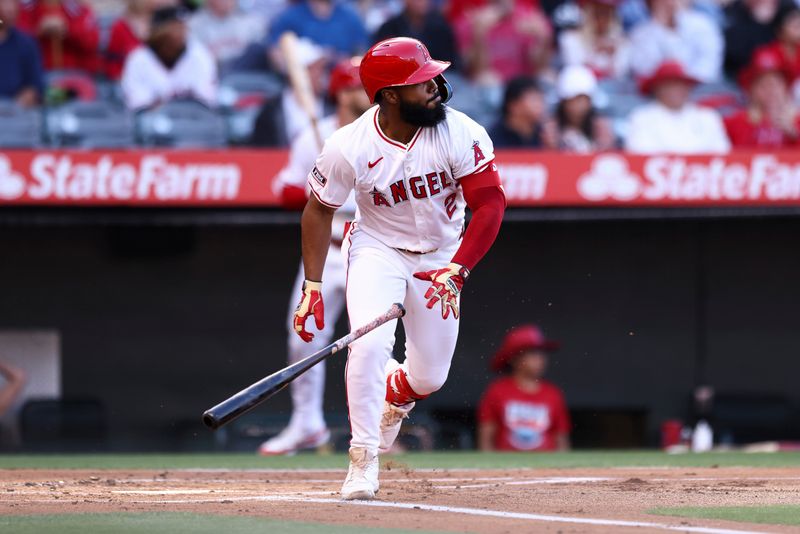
126,34
264,11
423,21
670,123
282,118
523,412
502,40
787,45
523,123
13,380
454,9
770,120
333,25
20,60
677,33
168,66
225,31
748,25
580,127
375,13
599,43
67,32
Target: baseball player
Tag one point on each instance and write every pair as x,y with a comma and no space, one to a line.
307,429
414,165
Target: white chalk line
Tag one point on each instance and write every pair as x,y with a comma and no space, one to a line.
469,511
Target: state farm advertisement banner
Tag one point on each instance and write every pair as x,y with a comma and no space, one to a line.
249,178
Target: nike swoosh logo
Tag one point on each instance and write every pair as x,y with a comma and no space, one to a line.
371,164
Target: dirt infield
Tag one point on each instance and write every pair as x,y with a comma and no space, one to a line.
491,501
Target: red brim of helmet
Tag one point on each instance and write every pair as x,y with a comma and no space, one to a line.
428,71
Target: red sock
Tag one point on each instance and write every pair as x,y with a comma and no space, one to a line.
398,390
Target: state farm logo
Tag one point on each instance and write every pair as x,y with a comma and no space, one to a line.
12,184
151,178
763,177
609,177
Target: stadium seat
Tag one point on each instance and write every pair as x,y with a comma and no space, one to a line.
181,124
723,96
240,90
22,128
90,125
240,97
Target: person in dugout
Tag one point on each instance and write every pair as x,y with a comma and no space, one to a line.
520,411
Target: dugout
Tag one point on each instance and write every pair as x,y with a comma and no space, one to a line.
161,313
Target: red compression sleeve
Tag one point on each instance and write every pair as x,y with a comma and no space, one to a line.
486,199
293,197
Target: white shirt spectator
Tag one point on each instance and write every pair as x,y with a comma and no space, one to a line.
227,37
656,129
578,48
695,41
147,81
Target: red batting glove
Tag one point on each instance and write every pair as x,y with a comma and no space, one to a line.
445,287
310,304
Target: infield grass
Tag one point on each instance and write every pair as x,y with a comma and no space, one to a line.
777,514
171,522
427,460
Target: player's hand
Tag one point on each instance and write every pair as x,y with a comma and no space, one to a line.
445,287
310,304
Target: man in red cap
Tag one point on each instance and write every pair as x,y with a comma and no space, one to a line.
415,165
521,411
307,429
770,120
671,123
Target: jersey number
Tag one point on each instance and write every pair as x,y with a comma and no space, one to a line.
450,205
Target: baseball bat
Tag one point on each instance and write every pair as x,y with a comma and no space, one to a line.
300,81
250,397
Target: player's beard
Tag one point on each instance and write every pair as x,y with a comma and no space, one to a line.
422,115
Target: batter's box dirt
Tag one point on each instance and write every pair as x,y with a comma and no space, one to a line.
491,501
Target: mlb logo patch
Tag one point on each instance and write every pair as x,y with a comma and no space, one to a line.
318,176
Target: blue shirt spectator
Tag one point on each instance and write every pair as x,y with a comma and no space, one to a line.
328,23
20,60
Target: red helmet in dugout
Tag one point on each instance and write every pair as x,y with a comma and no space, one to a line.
344,76
401,61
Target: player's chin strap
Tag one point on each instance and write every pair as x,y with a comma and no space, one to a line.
445,89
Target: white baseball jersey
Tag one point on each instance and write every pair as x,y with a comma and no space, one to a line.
408,195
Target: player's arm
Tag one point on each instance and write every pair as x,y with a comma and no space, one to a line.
485,197
315,225
487,201
316,229
331,181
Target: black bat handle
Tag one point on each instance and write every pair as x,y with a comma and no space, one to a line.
252,396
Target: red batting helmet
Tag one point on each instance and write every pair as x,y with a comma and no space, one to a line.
401,61
518,340
344,76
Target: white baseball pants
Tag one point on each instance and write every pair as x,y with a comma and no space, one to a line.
377,277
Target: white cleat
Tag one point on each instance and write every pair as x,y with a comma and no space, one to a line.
293,439
392,418
362,477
